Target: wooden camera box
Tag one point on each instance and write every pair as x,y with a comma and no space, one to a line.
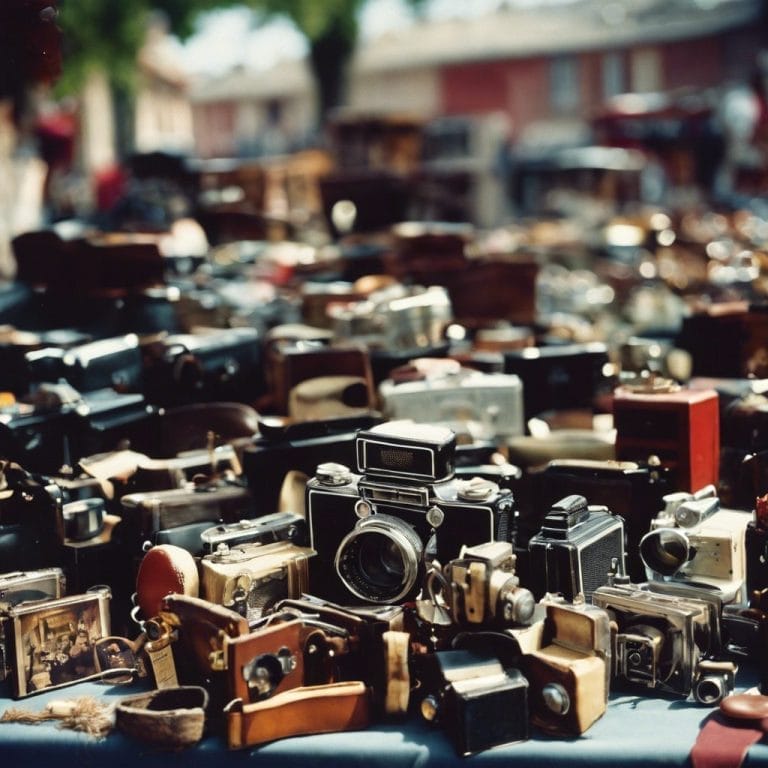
679,426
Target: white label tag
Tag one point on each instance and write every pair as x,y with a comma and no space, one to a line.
163,665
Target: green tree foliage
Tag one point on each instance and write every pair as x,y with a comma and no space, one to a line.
109,33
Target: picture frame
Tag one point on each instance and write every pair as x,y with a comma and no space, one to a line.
52,641
22,586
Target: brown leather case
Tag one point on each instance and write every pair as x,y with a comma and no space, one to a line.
270,640
301,711
203,629
289,364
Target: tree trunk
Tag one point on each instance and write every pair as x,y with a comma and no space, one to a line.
330,56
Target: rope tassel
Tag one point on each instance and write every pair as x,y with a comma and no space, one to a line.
86,714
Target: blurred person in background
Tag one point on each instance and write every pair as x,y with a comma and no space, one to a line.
744,120
30,56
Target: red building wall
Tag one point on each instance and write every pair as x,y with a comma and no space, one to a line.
519,87
696,63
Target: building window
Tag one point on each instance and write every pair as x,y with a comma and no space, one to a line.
646,70
613,75
564,84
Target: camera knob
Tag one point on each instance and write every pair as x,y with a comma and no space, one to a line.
435,516
331,473
556,698
475,489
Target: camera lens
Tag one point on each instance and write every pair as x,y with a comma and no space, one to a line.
710,690
379,560
664,550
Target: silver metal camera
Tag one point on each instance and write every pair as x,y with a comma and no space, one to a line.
279,526
485,405
667,642
251,578
396,317
696,542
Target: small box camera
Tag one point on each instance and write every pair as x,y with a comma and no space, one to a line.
484,589
569,673
375,531
680,426
478,703
577,548
559,376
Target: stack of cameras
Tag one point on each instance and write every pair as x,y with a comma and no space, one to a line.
679,631
404,517
375,529
544,663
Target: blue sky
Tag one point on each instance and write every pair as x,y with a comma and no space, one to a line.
227,39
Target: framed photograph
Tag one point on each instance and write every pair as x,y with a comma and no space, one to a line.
52,641
19,587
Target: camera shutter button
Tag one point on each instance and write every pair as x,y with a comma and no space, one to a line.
331,473
475,489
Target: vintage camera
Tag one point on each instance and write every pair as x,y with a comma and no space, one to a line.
56,425
279,526
576,548
696,542
397,317
114,363
373,532
631,490
745,633
31,521
476,701
282,446
560,376
180,515
250,578
483,589
569,672
666,642
219,364
277,656
397,324
89,553
485,405
20,587
176,516
378,645
146,474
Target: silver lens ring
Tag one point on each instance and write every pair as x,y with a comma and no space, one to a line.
379,560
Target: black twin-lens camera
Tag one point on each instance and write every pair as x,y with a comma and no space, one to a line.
375,531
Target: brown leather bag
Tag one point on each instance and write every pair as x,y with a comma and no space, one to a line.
297,712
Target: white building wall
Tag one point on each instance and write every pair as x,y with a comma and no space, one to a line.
411,91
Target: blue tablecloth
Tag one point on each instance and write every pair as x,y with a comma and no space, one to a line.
635,731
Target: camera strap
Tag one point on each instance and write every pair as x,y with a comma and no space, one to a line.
728,733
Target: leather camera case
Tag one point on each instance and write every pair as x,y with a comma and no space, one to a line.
574,657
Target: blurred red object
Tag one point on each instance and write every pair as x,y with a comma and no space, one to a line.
109,184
